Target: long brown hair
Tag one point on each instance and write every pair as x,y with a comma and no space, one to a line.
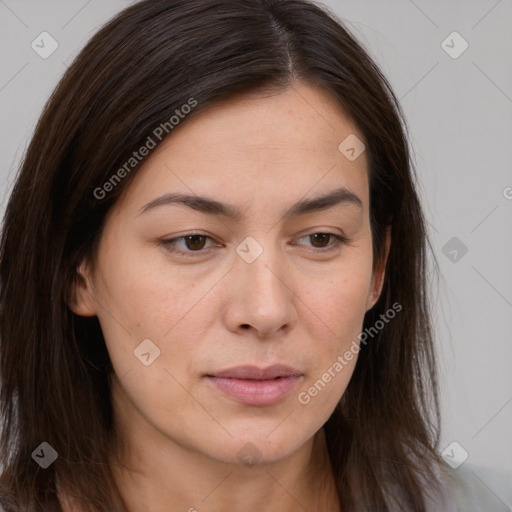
133,75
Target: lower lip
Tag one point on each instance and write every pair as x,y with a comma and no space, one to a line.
256,392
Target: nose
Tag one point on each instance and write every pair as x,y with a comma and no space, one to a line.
261,298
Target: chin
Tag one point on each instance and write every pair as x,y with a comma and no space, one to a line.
256,447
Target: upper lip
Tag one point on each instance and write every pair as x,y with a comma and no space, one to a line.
253,372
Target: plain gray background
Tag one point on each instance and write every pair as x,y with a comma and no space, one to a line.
459,111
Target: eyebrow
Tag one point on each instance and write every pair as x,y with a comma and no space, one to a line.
206,205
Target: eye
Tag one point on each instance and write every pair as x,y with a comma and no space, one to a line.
320,241
194,243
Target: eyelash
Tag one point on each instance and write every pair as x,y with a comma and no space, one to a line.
169,244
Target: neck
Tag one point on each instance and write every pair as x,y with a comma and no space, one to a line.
171,478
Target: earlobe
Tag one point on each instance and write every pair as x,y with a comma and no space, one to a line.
81,301
373,297
379,274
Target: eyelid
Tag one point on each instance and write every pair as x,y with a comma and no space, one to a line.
170,246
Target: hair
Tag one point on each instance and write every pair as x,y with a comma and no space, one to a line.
148,61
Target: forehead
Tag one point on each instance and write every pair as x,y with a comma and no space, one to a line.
267,146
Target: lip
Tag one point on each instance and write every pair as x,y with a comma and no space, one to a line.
255,386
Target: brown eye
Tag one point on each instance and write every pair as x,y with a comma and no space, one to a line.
195,242
321,239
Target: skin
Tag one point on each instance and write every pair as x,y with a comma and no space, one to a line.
297,304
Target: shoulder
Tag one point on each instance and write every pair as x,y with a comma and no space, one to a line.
463,491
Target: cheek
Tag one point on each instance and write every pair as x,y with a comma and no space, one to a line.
147,333
340,300
141,293
144,298
338,308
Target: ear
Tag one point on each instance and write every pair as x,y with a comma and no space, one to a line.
379,274
82,301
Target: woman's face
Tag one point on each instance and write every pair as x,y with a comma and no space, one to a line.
192,334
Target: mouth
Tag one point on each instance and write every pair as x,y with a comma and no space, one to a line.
255,386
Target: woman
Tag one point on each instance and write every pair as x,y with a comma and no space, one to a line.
217,243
